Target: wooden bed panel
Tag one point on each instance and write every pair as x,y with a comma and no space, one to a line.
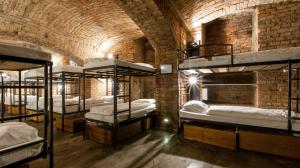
222,138
14,109
72,123
39,118
281,145
103,135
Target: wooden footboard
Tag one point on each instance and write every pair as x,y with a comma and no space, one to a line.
222,138
72,123
288,146
103,134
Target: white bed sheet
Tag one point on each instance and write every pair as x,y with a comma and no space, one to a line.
14,134
98,62
270,118
35,73
68,68
121,116
241,58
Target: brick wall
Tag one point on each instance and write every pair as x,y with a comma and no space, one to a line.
231,94
279,25
232,29
272,89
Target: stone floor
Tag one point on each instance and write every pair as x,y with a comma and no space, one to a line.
154,149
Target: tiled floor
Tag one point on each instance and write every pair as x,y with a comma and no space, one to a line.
154,149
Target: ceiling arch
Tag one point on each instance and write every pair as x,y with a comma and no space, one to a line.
79,28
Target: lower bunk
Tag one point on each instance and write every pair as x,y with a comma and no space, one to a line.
102,126
109,135
241,127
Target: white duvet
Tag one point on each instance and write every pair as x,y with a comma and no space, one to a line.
109,109
16,133
249,112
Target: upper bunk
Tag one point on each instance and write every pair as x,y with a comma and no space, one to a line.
14,57
250,61
106,68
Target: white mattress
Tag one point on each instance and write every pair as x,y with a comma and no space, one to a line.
97,113
34,73
121,117
13,100
19,51
99,62
242,58
68,68
270,118
14,134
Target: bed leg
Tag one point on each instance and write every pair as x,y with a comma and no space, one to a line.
84,129
237,138
113,135
153,122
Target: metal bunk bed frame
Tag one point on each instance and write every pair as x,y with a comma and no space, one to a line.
47,140
34,81
64,78
182,55
116,72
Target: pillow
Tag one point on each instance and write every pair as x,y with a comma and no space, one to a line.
108,98
149,101
144,64
196,106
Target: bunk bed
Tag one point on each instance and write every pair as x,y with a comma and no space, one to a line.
66,104
34,77
11,96
236,126
105,124
20,143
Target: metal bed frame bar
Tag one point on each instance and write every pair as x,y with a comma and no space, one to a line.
47,140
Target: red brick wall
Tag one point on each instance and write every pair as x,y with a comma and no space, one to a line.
279,25
233,29
272,89
231,94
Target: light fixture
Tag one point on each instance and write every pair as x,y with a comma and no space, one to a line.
193,80
110,56
166,120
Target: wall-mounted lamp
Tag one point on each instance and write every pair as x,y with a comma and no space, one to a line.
110,56
166,120
193,80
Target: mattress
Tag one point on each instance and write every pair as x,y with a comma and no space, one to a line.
34,73
99,62
245,115
14,134
244,58
67,68
97,113
19,51
13,100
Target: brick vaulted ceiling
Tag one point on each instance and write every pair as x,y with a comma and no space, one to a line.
82,28
196,12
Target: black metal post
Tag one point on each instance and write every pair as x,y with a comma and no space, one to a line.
20,94
63,92
2,99
51,156
231,54
46,116
37,99
297,101
129,94
79,95
25,96
114,131
289,96
84,130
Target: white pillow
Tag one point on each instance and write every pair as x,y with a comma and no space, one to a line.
108,98
144,64
196,106
149,101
